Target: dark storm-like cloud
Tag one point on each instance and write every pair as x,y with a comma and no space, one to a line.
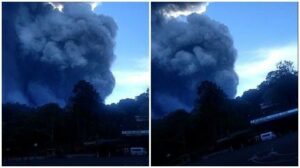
45,51
185,53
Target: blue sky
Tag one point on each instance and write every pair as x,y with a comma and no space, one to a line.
131,66
263,33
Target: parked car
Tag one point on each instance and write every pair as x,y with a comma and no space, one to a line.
138,151
267,136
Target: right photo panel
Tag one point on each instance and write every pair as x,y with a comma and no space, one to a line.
224,84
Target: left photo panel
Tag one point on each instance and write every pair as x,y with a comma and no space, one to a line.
75,84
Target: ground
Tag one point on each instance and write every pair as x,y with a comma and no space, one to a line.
282,151
82,161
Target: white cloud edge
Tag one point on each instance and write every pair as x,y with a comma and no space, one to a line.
199,10
130,83
265,59
59,6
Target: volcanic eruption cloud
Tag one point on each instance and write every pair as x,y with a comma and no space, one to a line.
46,51
185,52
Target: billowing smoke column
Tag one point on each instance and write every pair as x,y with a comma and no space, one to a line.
186,52
46,51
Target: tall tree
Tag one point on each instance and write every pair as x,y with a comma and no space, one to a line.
85,105
209,116
281,85
51,123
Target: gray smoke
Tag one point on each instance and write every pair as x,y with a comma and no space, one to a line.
185,53
47,51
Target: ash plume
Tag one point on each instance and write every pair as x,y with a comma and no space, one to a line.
185,53
46,51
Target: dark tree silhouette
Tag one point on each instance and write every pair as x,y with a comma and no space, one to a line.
50,118
216,120
209,108
85,105
281,85
170,137
52,130
252,96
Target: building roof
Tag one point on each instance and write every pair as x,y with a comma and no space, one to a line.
274,116
135,132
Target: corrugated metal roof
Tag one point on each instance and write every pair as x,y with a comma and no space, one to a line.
274,116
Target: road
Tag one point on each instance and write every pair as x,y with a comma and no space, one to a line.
82,161
282,151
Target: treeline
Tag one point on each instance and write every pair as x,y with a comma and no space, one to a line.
28,131
181,135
